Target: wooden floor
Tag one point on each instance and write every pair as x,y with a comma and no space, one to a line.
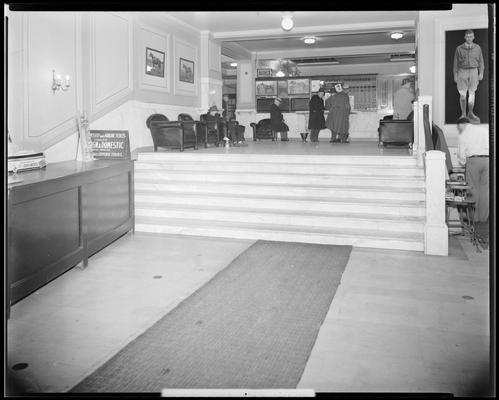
355,147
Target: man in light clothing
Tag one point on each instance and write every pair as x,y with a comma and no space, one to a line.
468,71
402,100
473,153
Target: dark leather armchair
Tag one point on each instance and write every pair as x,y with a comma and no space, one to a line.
263,130
235,131
396,132
171,134
209,132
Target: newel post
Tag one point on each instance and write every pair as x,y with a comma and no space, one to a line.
436,240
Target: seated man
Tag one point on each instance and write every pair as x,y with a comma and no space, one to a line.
236,132
473,154
277,120
212,115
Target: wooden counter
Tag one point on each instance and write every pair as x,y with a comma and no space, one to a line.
60,215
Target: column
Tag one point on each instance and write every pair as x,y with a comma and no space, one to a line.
436,239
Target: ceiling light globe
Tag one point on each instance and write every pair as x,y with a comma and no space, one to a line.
309,40
279,74
397,35
287,23
413,69
233,64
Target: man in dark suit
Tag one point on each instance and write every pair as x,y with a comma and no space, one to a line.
316,120
277,120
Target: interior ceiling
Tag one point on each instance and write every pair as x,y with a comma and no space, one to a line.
260,32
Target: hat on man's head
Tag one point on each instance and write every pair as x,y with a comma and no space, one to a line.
213,108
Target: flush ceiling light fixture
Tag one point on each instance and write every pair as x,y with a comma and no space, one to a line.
309,39
287,22
233,64
397,35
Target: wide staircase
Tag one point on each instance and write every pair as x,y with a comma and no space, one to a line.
368,201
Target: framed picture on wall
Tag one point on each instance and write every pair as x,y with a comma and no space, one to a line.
266,88
155,62
282,88
186,71
467,75
265,72
298,86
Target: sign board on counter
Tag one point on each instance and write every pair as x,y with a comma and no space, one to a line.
107,144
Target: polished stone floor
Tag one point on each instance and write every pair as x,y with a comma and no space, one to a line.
399,322
295,146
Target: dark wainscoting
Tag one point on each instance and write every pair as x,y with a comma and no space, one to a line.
61,215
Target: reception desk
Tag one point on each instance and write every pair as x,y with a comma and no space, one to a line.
363,124
61,215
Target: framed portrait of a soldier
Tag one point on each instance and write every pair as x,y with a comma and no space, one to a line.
467,75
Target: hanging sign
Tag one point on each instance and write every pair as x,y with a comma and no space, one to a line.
110,144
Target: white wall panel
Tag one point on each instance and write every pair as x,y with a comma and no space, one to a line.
188,52
158,41
52,41
112,62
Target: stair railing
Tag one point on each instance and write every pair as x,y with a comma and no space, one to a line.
436,240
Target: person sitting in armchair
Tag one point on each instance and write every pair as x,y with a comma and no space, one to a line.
213,115
277,120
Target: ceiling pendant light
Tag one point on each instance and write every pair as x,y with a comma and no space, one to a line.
233,64
287,22
397,35
279,74
309,40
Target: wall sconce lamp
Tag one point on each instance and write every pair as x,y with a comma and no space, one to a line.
58,84
397,35
287,22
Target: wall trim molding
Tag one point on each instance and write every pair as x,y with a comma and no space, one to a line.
168,57
197,68
63,129
111,98
309,30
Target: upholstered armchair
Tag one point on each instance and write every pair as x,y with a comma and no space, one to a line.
263,130
395,132
190,124
235,131
171,134
209,132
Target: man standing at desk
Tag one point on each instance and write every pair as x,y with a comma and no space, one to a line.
338,118
402,100
473,153
468,71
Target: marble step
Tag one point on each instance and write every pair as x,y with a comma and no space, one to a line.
306,218
381,206
277,158
274,178
356,237
279,168
325,192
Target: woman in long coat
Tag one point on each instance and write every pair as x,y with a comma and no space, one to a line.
316,120
338,117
